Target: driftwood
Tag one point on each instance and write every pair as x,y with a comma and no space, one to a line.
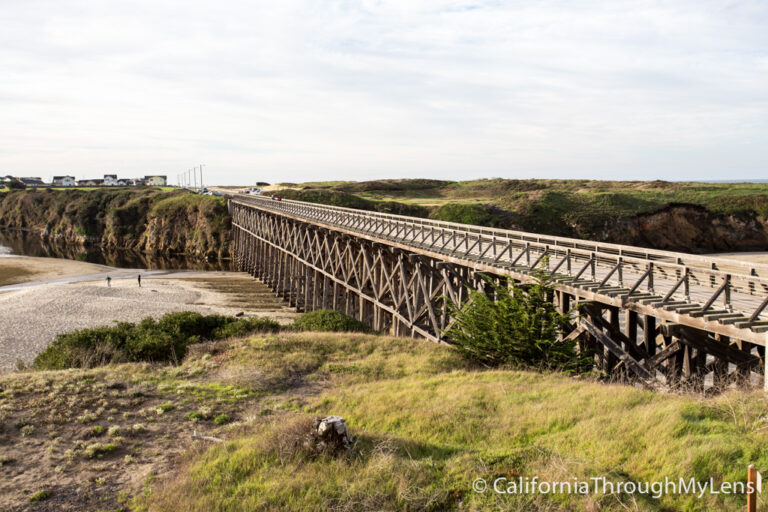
198,437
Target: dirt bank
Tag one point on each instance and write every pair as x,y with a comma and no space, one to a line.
142,219
688,228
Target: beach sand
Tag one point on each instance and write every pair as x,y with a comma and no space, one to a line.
749,257
32,316
19,269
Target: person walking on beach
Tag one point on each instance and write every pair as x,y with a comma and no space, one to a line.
139,279
109,282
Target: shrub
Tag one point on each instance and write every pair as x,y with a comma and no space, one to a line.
98,450
245,326
520,328
15,185
164,340
40,496
470,213
221,419
329,320
163,408
194,416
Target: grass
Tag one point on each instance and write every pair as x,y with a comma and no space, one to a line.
578,208
428,424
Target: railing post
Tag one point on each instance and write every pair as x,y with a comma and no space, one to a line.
751,488
765,366
650,278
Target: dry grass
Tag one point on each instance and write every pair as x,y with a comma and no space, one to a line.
427,425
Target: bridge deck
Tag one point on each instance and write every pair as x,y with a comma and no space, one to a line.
717,295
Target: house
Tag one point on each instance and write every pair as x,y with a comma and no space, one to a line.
156,181
139,182
63,181
90,183
6,179
32,182
110,180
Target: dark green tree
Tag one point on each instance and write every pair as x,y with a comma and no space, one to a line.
521,327
15,185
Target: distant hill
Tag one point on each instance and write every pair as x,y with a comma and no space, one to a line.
686,216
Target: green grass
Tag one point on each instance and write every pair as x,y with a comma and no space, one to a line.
575,208
429,425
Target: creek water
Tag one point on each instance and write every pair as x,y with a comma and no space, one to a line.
21,243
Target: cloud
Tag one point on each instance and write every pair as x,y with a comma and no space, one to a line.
300,90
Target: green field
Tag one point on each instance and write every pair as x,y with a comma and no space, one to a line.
428,425
576,208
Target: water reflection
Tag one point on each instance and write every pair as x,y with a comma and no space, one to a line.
30,244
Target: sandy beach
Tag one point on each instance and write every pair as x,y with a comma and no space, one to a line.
43,269
749,257
33,315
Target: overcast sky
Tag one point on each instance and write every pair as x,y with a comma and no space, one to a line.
285,90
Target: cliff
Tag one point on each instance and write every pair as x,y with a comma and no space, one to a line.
144,219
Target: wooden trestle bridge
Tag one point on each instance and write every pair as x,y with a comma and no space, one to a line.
647,314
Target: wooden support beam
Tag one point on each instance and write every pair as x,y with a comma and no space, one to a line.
635,367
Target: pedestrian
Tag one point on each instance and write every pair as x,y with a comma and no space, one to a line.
109,282
139,278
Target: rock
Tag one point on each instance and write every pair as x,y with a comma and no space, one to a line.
240,314
331,434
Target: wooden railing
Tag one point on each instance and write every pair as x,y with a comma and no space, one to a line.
727,291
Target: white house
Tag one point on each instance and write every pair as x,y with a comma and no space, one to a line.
110,180
156,181
63,181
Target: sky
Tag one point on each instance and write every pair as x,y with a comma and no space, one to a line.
298,91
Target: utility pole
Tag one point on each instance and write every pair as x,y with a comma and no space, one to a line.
201,176
194,176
